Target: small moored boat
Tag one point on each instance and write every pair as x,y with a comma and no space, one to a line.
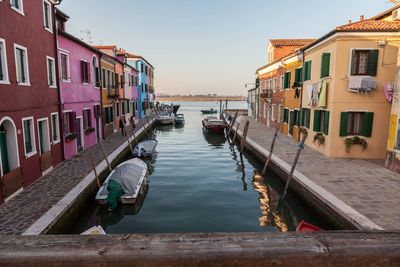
175,108
145,149
95,230
179,119
123,184
166,118
213,124
307,227
209,111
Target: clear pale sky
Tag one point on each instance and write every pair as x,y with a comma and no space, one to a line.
208,46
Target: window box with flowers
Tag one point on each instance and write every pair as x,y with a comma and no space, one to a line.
320,138
355,140
70,137
89,130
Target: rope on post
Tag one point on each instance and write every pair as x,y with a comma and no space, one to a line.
105,155
246,128
296,159
94,167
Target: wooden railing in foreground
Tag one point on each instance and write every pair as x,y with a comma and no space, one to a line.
205,249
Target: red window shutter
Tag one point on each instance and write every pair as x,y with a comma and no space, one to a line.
82,71
72,121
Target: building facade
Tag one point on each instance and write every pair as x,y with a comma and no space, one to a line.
344,105
30,138
79,66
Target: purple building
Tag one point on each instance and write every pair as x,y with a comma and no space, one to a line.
79,74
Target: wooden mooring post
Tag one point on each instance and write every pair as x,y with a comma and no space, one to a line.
271,150
105,155
237,128
246,128
232,123
296,159
94,167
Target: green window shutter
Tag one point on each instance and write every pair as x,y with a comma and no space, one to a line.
326,122
298,76
287,80
353,62
368,122
286,115
317,120
302,117
292,121
304,78
344,118
308,111
325,64
308,75
373,62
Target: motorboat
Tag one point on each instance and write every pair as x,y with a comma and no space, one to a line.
166,118
179,119
209,111
95,230
145,149
213,124
124,184
307,227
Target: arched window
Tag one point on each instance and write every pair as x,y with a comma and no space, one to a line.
96,72
9,159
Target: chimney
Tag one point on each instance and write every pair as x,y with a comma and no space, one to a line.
361,17
350,21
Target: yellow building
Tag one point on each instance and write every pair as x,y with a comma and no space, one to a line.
343,102
292,80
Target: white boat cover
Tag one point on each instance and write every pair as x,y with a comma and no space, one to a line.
128,176
145,148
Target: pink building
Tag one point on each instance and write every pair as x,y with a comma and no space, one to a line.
79,74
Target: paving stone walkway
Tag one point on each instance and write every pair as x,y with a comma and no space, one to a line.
365,185
19,213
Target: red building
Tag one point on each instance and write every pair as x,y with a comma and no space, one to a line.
29,111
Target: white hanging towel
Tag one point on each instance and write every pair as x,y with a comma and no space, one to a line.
355,82
309,92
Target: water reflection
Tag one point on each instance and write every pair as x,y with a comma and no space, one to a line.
215,140
108,218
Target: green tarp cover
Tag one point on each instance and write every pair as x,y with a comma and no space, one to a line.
115,191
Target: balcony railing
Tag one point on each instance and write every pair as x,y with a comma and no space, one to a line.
266,94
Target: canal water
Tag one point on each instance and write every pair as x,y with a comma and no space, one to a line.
198,182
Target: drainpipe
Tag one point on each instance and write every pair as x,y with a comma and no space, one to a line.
302,87
58,84
101,97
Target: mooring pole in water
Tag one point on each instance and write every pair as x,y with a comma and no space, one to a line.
296,159
237,128
94,167
271,150
105,155
246,128
232,123
226,103
127,136
220,109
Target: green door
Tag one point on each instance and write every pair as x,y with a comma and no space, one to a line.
291,123
4,153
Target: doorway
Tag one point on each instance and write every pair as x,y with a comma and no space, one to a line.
79,138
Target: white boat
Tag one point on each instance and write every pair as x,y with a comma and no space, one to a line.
213,124
95,230
166,118
145,149
131,175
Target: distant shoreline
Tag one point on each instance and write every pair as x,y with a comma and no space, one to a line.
177,99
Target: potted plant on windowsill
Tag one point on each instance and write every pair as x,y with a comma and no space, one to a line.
89,130
70,136
320,138
355,140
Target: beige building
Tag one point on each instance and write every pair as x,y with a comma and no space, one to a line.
343,101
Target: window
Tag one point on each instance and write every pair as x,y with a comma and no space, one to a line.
274,84
270,84
3,63
85,72
265,110
325,64
282,82
356,123
51,72
116,84
286,115
305,117
21,59
55,126
397,141
321,121
109,82
307,71
287,80
273,112
17,5
127,106
112,79
47,15
108,113
29,137
69,121
117,107
103,71
87,119
65,67
96,73
298,77
266,84
364,62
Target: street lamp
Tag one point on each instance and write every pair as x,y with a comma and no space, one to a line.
246,84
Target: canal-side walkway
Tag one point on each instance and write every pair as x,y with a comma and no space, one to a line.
40,200
362,191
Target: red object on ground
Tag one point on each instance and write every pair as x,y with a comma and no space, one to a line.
306,227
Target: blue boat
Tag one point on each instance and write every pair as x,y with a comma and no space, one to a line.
179,119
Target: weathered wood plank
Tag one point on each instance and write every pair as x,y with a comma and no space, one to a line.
214,249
